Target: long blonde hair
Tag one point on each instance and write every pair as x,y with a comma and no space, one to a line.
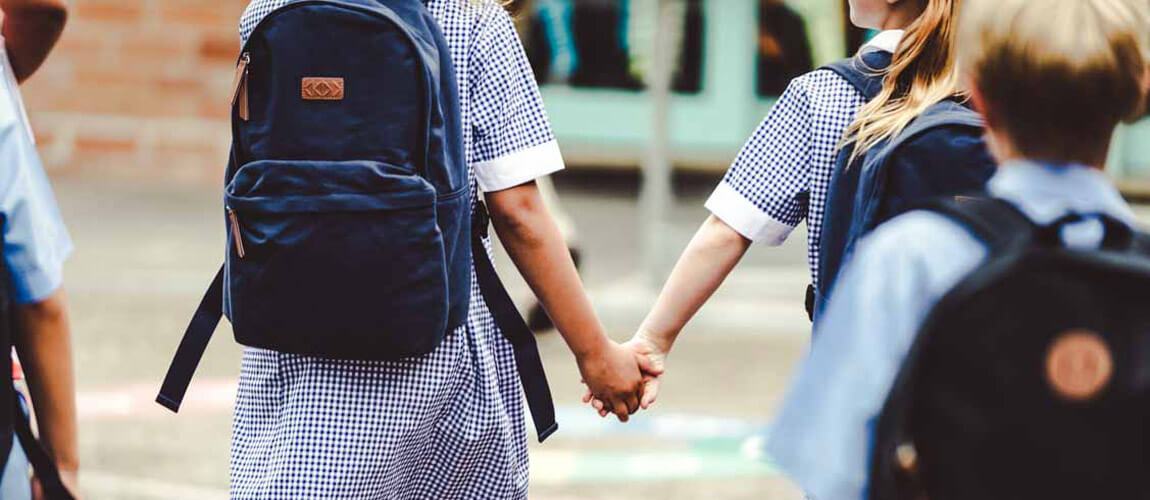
922,72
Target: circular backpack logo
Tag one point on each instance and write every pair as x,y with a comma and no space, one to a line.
1078,365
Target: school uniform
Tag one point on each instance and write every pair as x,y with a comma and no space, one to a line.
782,174
448,425
823,435
36,243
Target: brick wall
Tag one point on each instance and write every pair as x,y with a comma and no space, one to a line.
139,87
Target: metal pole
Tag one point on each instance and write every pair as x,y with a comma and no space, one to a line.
655,196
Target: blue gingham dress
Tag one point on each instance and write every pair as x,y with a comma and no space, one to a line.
448,425
782,174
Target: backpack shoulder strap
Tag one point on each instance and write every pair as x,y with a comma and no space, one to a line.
1001,226
996,222
947,113
192,345
38,457
864,72
514,329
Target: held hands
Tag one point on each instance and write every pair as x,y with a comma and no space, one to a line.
649,358
615,377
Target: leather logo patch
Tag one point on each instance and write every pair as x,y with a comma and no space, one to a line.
322,89
1078,365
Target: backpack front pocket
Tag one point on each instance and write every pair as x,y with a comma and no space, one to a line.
335,259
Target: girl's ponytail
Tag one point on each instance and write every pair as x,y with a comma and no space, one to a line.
921,73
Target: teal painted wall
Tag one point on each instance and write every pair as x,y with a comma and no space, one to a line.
709,127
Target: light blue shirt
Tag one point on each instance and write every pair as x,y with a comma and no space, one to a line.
823,435
36,243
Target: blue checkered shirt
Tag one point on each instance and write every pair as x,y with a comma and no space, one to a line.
782,174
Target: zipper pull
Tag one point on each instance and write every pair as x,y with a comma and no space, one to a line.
240,86
236,237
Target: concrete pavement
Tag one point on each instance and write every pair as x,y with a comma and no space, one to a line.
146,250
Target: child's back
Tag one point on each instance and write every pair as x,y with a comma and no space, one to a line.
1052,82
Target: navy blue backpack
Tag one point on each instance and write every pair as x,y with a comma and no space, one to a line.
347,197
940,153
1028,379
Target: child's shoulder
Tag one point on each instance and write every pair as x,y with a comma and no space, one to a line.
479,12
922,240
823,88
821,79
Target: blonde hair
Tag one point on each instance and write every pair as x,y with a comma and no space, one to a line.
1057,76
922,72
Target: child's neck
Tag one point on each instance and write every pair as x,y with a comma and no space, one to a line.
901,16
1005,152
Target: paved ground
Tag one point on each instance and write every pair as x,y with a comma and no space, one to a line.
144,252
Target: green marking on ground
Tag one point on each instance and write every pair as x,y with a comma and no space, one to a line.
718,459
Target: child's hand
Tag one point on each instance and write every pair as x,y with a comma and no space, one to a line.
650,359
613,376
655,356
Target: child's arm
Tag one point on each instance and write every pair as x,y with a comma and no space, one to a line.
44,343
31,28
710,256
534,243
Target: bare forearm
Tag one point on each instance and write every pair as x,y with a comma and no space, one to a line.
43,341
31,28
536,246
710,256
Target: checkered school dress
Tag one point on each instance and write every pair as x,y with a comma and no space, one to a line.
448,425
782,174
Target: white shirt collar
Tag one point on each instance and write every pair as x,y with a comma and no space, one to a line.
886,41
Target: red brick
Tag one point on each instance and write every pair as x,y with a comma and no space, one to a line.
198,13
80,41
127,79
152,44
222,48
103,145
113,11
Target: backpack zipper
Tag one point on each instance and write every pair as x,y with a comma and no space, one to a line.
240,86
236,237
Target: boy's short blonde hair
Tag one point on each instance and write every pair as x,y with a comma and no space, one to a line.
1057,76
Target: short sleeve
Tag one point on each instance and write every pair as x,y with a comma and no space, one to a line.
36,243
764,194
512,142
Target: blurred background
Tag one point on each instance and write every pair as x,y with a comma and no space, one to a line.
130,115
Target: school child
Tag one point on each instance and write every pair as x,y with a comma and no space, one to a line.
784,172
1053,79
36,243
448,424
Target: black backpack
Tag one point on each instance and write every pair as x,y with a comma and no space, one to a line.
13,420
1029,379
347,197
940,153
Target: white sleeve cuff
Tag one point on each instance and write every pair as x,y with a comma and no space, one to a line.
520,167
745,218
